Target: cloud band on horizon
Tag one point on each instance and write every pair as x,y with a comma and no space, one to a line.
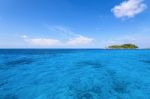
74,39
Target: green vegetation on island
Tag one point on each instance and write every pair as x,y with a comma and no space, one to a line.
123,46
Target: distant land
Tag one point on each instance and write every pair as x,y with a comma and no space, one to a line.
123,46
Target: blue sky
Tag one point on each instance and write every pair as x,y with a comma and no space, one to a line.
73,23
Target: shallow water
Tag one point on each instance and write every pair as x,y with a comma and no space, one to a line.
74,74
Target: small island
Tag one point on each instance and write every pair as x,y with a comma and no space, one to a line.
123,46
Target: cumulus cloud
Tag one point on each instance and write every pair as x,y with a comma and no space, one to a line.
129,8
79,40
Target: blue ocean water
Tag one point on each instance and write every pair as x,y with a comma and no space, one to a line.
74,74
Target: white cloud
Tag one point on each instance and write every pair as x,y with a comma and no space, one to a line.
79,40
76,39
41,41
129,8
50,42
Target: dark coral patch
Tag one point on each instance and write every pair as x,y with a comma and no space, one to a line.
146,61
93,64
3,83
10,96
85,93
120,86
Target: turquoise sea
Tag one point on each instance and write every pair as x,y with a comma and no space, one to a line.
74,74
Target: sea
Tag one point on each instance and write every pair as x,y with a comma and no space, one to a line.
74,74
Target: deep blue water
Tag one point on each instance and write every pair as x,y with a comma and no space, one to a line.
74,74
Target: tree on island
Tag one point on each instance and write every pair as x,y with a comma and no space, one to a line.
123,46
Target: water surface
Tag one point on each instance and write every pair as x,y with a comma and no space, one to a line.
74,74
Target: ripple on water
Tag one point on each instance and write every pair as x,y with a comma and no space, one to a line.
9,96
16,62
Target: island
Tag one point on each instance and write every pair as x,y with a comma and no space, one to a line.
123,46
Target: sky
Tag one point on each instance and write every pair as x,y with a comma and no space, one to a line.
74,23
